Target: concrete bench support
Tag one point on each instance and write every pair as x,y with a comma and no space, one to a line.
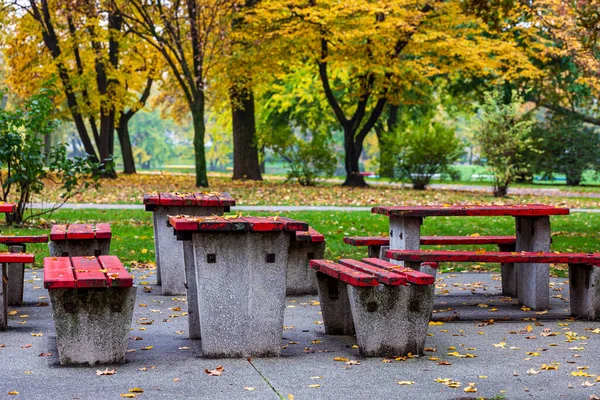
3,297
241,279
584,291
300,278
335,306
508,273
92,325
80,248
170,268
391,320
192,289
15,275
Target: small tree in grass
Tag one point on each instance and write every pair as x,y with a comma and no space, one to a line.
426,148
502,133
23,166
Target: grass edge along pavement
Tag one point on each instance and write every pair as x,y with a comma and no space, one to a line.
133,234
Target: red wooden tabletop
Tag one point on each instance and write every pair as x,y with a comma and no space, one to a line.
60,232
239,224
520,210
7,207
198,199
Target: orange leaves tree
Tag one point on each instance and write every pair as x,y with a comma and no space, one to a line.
369,53
105,76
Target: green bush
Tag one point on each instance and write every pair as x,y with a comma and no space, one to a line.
502,133
567,146
23,166
425,149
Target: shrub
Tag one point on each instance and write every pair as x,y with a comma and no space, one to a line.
23,166
426,149
567,146
502,133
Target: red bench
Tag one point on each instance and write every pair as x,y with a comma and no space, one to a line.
388,321
72,240
7,208
92,306
584,277
16,272
305,246
8,261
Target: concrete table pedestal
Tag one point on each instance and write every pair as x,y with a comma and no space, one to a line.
305,246
170,269
237,282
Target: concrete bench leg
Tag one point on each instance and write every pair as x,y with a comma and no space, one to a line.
584,291
382,251
335,306
533,279
92,325
300,278
508,273
391,320
192,290
15,274
3,298
169,252
241,292
375,251
79,248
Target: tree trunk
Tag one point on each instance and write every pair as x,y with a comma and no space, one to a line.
500,191
199,152
125,142
387,158
351,158
245,150
573,180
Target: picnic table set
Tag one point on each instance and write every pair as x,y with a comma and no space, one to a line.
237,270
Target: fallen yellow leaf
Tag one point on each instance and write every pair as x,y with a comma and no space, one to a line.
405,383
136,390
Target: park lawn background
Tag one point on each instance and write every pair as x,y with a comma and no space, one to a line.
133,233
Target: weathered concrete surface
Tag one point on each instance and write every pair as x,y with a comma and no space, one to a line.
79,248
192,289
170,268
3,298
391,320
15,274
533,234
92,325
381,253
509,274
241,293
335,306
301,279
584,286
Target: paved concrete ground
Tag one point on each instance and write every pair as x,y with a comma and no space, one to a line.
508,353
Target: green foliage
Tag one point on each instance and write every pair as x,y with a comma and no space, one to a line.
502,133
426,148
567,146
23,166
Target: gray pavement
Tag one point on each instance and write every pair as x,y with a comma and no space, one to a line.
477,337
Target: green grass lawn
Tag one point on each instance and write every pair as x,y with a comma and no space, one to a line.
133,233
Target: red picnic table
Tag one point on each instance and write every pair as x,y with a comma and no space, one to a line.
530,282
236,281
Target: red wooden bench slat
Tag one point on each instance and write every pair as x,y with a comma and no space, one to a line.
264,224
226,200
87,272
382,275
58,232
237,224
116,273
501,257
170,199
24,239
182,223
343,273
207,199
218,224
523,210
188,199
291,225
80,231
152,198
103,231
310,235
412,276
7,207
16,258
58,273
432,240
